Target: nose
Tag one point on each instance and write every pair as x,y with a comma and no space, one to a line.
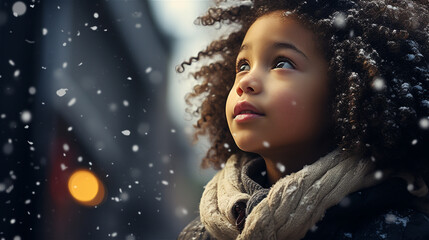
249,84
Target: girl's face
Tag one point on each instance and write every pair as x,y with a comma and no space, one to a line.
279,99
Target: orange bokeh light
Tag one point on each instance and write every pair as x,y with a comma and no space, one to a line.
86,188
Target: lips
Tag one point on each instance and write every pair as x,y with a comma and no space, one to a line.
246,109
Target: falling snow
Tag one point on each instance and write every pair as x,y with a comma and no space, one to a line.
26,116
266,144
61,92
66,147
339,20
19,8
2,187
345,202
63,167
424,123
378,174
17,73
378,84
391,218
32,90
8,148
287,13
9,189
71,102
126,132
281,167
135,148
181,212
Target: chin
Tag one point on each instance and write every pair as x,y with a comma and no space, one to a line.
248,142
251,148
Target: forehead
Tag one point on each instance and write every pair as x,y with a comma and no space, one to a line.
275,27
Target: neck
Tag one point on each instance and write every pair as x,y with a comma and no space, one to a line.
283,162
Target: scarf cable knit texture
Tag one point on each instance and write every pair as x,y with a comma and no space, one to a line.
294,204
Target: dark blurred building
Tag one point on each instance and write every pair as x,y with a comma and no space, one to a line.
83,85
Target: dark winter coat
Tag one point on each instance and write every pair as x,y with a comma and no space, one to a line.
384,211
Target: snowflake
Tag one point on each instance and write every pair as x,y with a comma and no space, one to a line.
280,167
339,20
378,84
266,144
61,92
378,175
26,116
32,90
19,8
71,102
424,123
135,148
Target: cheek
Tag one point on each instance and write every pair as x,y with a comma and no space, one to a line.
229,106
299,112
286,107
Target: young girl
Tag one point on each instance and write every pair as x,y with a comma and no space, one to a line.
317,113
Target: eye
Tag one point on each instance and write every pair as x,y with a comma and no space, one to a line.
242,65
283,63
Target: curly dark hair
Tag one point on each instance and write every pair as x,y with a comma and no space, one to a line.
378,55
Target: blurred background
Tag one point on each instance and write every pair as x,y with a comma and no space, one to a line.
95,141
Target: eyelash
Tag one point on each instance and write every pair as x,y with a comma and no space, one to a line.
283,59
242,61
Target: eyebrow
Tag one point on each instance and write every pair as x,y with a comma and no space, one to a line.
278,45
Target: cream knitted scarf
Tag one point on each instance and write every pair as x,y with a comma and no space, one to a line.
294,203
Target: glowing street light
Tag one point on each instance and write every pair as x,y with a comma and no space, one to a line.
86,188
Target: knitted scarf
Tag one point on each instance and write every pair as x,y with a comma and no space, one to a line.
293,204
